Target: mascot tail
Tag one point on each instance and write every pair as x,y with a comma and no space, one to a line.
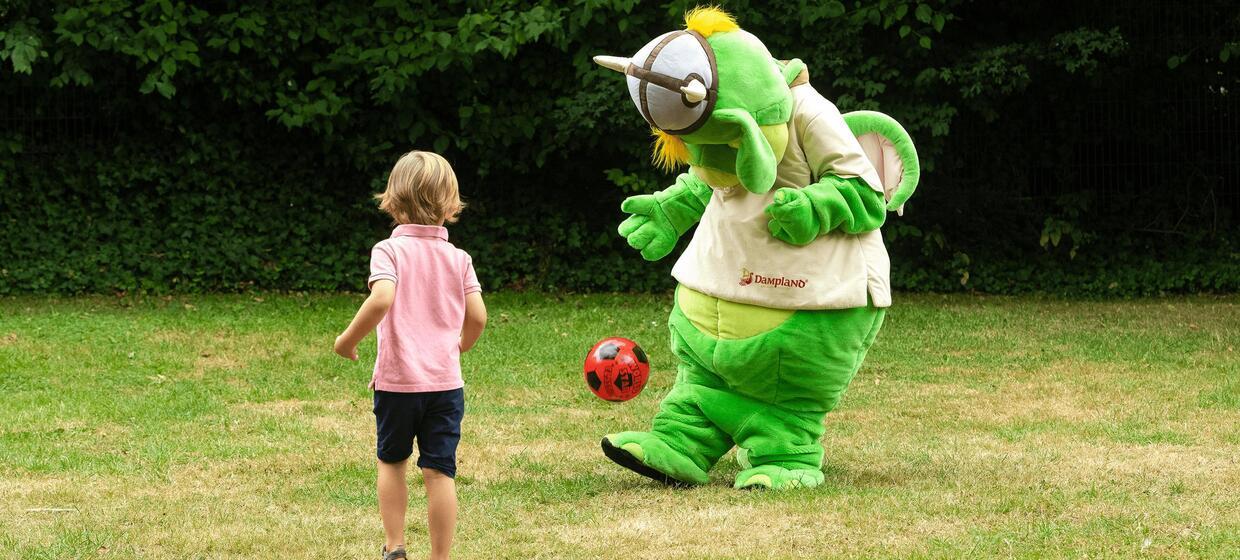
891,150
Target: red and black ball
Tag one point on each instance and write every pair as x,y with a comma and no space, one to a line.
616,369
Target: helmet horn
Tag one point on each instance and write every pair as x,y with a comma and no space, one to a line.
694,92
618,63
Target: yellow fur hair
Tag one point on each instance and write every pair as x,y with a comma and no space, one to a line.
707,20
669,150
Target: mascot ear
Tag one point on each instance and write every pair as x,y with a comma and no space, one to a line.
755,160
889,147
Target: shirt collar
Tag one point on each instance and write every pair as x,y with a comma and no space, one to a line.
418,230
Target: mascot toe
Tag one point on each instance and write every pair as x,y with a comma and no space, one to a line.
784,285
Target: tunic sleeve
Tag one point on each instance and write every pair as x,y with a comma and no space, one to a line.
830,147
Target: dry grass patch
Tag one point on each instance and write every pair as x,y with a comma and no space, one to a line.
218,351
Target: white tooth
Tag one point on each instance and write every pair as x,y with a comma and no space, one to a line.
617,63
694,92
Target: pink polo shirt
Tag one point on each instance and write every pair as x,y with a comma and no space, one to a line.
419,337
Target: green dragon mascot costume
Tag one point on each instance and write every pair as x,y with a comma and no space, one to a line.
784,285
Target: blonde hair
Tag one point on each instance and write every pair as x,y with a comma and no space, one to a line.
421,189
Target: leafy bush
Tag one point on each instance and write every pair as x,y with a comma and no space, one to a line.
186,146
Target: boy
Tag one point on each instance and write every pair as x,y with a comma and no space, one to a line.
426,303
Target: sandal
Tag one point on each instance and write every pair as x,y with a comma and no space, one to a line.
398,554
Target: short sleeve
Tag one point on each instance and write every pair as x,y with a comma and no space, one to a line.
470,284
382,264
830,147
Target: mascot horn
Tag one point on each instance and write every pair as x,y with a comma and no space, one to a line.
784,285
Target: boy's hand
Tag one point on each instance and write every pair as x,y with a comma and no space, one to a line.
371,385
345,349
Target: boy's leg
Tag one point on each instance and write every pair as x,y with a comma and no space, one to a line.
437,439
395,416
440,511
393,501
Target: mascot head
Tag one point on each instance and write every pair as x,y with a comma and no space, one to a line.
714,98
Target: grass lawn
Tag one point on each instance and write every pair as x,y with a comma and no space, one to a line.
223,427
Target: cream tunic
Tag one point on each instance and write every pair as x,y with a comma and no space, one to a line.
733,256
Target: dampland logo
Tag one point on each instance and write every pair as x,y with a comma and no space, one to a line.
749,277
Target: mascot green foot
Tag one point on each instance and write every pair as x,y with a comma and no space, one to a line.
645,454
776,477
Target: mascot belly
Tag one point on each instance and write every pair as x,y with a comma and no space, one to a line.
784,286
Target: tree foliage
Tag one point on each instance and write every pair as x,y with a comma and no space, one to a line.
169,145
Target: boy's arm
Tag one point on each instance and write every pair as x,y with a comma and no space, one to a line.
382,292
475,320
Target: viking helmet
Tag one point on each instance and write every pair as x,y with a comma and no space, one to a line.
708,87
673,80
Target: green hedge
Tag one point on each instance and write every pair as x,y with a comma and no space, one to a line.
163,146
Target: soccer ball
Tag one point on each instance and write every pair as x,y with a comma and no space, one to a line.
616,369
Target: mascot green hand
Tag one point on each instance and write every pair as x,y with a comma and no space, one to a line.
660,219
784,285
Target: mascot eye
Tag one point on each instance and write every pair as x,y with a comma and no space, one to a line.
672,80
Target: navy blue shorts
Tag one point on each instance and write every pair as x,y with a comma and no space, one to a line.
432,419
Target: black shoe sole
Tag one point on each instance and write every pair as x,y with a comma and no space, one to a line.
628,461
